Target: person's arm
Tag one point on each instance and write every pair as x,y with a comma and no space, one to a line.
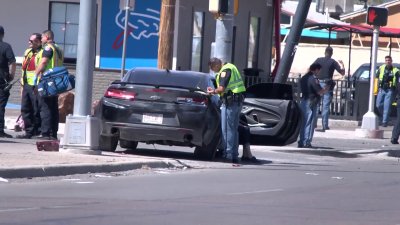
11,62
224,81
340,67
12,68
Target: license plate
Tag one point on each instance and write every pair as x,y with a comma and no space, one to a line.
152,118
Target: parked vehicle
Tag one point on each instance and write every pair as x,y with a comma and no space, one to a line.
362,72
173,108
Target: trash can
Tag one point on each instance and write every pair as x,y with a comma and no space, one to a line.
252,71
361,98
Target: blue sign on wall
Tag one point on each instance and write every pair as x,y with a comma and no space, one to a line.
142,39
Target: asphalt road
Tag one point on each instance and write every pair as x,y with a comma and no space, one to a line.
313,190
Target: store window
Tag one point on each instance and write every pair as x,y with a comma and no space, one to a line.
64,22
197,40
254,33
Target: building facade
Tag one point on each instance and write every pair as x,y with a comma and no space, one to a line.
193,35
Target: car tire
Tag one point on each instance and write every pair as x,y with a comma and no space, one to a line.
131,145
207,152
108,143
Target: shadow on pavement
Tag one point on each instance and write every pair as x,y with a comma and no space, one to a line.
323,152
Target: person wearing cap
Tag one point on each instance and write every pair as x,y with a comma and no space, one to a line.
230,88
311,92
7,73
325,76
29,100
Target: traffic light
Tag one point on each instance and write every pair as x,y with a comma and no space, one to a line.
221,6
377,16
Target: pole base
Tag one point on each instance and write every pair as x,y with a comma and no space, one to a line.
376,134
81,132
370,121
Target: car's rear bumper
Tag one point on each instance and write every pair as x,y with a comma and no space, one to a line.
153,133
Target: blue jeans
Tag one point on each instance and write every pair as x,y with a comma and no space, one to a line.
309,119
326,103
230,135
383,102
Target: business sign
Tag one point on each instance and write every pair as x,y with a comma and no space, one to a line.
142,38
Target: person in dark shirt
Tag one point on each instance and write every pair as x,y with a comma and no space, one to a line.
328,67
311,91
7,73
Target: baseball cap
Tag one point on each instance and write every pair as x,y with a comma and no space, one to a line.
1,30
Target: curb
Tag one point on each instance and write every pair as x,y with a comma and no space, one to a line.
72,169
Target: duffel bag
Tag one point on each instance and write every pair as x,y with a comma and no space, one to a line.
55,81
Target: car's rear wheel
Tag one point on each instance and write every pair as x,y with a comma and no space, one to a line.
131,145
207,152
108,143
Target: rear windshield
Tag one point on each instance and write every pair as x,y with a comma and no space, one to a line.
190,80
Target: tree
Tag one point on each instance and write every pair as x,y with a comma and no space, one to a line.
166,34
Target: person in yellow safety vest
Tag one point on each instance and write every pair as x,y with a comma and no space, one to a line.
388,76
29,101
231,89
49,57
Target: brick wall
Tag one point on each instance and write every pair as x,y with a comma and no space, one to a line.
101,80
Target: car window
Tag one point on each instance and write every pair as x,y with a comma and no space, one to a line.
172,78
364,75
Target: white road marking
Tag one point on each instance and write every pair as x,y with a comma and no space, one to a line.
314,174
72,179
256,192
18,209
84,182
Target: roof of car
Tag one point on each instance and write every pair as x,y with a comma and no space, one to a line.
148,70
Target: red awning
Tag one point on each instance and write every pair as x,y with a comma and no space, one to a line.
359,29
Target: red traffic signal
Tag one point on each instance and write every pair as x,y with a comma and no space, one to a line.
377,16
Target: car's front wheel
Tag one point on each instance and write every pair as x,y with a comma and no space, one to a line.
108,143
131,145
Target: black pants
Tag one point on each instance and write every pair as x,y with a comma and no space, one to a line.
396,128
49,115
4,95
30,110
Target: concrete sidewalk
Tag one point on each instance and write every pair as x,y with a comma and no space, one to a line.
20,158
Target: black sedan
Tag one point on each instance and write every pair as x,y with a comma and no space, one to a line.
173,108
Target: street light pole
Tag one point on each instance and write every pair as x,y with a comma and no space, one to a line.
370,120
369,125
126,8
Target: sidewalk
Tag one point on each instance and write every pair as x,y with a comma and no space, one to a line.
20,158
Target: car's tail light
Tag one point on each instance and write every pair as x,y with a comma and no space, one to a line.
120,94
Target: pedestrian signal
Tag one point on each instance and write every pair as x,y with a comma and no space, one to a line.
377,16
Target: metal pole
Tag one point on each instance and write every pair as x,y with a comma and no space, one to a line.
372,69
223,35
125,38
85,58
348,69
293,39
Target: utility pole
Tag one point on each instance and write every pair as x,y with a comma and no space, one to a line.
127,5
81,130
293,39
223,34
166,34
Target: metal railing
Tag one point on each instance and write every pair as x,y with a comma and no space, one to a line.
344,104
